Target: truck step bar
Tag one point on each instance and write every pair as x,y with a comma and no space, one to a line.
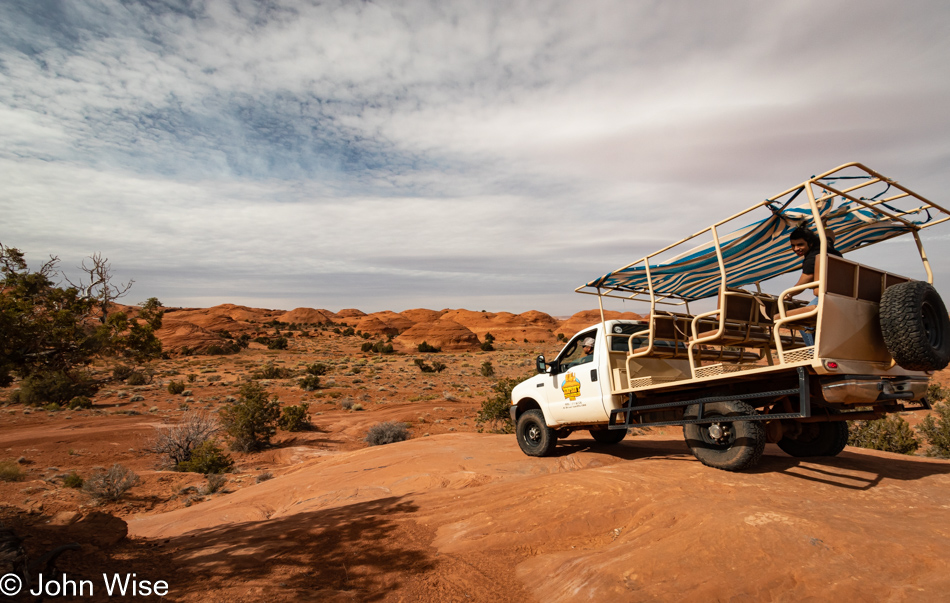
804,396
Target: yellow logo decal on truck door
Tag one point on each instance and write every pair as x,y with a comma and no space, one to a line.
571,386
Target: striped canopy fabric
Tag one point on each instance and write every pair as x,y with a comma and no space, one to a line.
755,253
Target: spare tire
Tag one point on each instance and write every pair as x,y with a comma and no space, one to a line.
915,326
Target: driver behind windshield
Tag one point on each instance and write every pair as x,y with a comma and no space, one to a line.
588,348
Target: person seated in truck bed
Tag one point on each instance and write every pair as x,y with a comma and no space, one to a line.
806,244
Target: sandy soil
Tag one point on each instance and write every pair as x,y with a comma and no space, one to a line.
457,515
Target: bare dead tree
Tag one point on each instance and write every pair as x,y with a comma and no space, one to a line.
178,441
99,287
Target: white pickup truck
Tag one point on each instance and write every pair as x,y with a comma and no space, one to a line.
755,367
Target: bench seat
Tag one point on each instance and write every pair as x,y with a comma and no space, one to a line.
700,354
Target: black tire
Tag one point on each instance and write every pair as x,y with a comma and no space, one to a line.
915,326
534,437
740,444
817,439
608,436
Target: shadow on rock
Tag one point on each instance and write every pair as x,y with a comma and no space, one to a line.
851,470
359,549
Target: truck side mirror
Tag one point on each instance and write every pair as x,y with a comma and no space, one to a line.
540,365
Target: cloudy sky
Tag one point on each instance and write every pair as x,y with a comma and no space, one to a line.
486,155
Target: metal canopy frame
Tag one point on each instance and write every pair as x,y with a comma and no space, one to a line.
820,189
863,206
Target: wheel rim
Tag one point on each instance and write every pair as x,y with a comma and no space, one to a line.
931,323
720,435
532,435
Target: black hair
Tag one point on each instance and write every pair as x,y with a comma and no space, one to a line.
803,234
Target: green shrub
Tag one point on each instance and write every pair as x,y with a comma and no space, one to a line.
561,337
487,346
10,472
295,418
251,420
55,387
890,434
176,387
79,402
310,383
387,433
318,369
269,371
111,484
438,366
489,338
278,344
213,483
425,368
73,480
380,347
207,458
121,372
228,347
487,369
136,378
495,410
937,431
349,331
425,348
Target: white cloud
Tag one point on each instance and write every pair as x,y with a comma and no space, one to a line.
439,151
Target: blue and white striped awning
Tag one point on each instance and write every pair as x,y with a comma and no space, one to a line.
755,253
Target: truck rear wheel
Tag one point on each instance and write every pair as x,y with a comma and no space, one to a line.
608,436
534,436
915,326
817,439
731,446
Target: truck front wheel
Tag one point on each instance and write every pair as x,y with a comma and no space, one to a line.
534,437
724,444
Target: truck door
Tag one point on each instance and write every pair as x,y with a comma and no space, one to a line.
574,393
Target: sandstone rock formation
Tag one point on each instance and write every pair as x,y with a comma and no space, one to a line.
308,316
445,334
422,314
586,318
394,323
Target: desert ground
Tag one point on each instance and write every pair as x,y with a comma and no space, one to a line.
455,513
